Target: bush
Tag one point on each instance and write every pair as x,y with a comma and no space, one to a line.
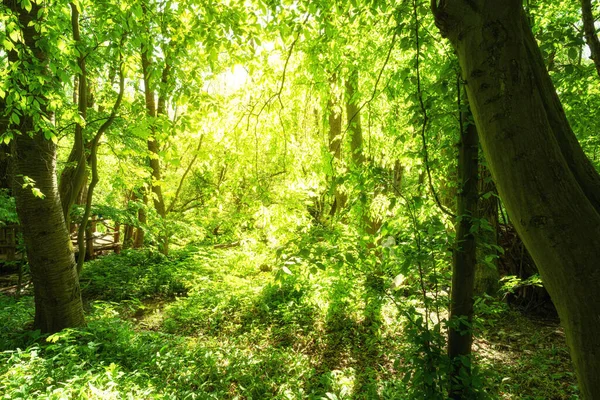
132,275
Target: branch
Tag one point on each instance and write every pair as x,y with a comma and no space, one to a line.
187,171
374,94
590,33
425,117
283,76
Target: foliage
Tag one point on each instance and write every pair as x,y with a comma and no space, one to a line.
309,301
8,212
241,332
132,275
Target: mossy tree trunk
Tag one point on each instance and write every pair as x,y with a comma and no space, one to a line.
550,189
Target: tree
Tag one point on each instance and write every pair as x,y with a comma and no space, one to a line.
589,28
56,284
460,334
550,189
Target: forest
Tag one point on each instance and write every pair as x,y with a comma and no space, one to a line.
287,199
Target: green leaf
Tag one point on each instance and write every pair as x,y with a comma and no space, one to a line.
26,4
14,118
573,53
14,36
8,45
37,193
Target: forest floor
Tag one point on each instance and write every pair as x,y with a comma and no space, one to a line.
230,324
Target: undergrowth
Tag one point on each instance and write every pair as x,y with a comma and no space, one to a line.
210,323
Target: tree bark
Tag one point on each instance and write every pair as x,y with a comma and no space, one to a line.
548,186
57,294
591,37
460,334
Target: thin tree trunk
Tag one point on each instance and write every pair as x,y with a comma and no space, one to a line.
74,175
335,143
353,117
591,37
460,335
128,236
487,277
153,148
93,162
550,189
140,235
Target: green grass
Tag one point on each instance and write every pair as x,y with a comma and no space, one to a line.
216,324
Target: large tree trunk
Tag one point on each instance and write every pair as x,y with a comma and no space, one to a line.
49,251
460,334
548,186
58,302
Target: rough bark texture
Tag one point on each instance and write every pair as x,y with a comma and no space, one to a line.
591,37
460,335
49,251
56,284
548,186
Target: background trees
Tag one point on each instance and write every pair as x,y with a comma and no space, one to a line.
324,134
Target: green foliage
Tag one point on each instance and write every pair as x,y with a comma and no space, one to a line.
307,303
132,275
8,211
242,332
17,316
511,283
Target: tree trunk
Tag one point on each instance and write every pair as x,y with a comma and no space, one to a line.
138,241
58,302
128,236
353,116
487,277
74,175
590,32
153,148
49,250
335,143
460,335
550,189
